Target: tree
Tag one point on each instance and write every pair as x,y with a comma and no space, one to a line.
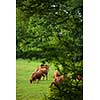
54,32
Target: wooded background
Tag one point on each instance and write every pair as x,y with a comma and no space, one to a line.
52,30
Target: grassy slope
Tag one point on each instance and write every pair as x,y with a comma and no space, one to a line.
26,91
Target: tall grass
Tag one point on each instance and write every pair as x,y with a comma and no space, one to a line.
25,90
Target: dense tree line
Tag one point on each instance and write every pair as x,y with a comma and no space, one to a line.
53,31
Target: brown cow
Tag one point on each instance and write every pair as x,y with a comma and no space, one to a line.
44,69
57,79
36,76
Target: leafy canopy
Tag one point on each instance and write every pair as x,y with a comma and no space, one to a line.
52,30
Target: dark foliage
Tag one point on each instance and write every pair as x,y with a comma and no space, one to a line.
52,30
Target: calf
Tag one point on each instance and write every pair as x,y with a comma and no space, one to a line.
36,76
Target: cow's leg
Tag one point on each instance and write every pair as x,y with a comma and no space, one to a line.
43,75
46,76
37,80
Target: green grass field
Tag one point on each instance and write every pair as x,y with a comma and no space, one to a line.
25,90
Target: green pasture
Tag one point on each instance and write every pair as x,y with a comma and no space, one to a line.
25,90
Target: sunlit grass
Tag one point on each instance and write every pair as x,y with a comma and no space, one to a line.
25,90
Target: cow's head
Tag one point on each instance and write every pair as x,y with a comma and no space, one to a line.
30,81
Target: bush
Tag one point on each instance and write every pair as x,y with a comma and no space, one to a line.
68,90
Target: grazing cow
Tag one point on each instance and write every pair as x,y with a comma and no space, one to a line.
36,76
44,69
